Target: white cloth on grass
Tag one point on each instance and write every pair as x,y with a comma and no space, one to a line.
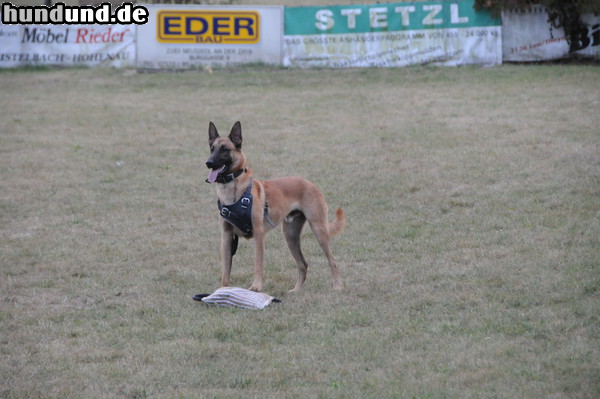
238,297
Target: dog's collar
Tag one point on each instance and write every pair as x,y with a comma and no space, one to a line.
230,177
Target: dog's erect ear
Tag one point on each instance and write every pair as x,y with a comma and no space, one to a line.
236,135
212,133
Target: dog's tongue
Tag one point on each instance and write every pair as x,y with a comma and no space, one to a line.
212,176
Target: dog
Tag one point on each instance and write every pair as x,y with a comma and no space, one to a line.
250,208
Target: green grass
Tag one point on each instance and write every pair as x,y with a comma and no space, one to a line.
471,258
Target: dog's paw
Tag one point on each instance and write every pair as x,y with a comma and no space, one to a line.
256,288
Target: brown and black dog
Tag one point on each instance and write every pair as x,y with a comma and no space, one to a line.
250,208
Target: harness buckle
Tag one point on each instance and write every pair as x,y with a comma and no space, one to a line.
245,202
225,212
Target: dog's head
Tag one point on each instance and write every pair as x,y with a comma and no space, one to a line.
225,152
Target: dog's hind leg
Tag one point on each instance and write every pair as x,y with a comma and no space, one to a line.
291,231
321,232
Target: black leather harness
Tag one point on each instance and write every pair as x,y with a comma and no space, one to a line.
240,213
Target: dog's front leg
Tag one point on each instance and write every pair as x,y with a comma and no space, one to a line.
226,253
259,250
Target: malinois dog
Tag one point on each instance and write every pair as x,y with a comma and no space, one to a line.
257,206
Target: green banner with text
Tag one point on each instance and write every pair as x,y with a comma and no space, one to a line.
391,17
395,34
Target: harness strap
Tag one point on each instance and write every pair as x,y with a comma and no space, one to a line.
267,214
234,244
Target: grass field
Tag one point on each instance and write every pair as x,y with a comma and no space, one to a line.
471,258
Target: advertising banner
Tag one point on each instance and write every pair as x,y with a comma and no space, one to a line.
67,45
389,35
528,36
181,37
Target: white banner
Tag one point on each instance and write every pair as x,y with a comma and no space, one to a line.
391,35
67,45
528,36
181,37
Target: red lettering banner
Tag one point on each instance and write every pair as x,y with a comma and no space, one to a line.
67,45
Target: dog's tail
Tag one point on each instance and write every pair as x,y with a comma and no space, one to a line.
338,225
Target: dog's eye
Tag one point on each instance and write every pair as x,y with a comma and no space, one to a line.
224,149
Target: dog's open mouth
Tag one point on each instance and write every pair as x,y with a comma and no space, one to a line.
212,176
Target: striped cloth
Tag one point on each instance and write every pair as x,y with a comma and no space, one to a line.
238,297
